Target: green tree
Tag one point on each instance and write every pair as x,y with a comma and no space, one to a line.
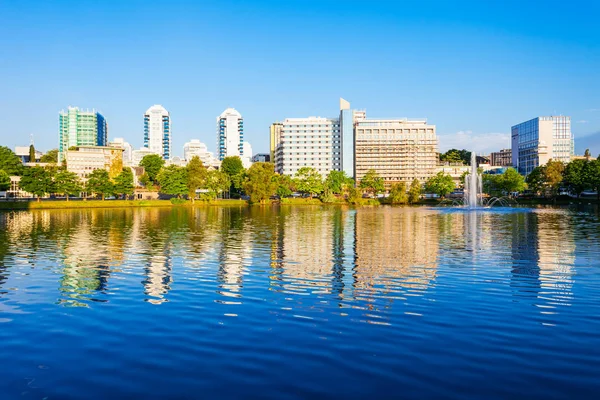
491,184
38,181
67,183
233,167
285,186
554,175
536,180
261,182
398,193
173,180
152,164
196,176
99,183
217,182
372,182
594,176
31,153
309,180
456,156
414,192
576,175
338,182
51,156
124,182
587,154
10,162
440,184
451,156
4,181
511,181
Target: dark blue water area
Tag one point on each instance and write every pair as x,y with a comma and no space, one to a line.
300,302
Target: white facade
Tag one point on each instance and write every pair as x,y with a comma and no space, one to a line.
85,159
157,131
127,150
195,148
247,158
230,134
399,150
137,155
308,142
537,141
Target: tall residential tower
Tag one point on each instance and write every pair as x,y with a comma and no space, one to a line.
80,128
157,131
230,134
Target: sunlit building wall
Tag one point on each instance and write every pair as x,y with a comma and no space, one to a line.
157,131
399,150
537,141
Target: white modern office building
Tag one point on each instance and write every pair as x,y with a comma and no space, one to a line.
157,131
541,139
195,148
230,134
308,142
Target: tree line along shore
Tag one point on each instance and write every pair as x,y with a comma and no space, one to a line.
260,184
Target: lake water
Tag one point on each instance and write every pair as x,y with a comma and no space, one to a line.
300,302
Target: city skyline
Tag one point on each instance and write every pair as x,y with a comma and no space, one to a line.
474,80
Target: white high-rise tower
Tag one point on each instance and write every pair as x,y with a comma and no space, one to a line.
157,131
230,134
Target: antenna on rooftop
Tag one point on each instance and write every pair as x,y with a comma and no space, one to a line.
31,139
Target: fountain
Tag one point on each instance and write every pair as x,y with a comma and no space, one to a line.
473,193
473,186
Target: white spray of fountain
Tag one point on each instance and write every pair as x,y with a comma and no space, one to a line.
473,186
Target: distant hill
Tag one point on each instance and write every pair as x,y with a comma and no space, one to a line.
591,142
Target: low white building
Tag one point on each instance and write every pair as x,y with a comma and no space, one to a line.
137,155
85,159
195,148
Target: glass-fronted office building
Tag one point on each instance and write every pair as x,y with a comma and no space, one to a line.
80,128
541,139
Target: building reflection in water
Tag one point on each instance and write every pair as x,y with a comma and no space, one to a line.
543,255
368,256
235,250
396,250
150,240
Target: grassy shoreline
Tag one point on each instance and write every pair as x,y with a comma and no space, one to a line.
80,204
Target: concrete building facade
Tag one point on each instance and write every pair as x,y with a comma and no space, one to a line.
80,128
127,150
157,131
308,142
195,148
539,140
502,158
275,137
84,159
399,150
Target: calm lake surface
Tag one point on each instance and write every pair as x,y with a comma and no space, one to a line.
300,302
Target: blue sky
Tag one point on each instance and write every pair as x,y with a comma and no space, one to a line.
472,68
